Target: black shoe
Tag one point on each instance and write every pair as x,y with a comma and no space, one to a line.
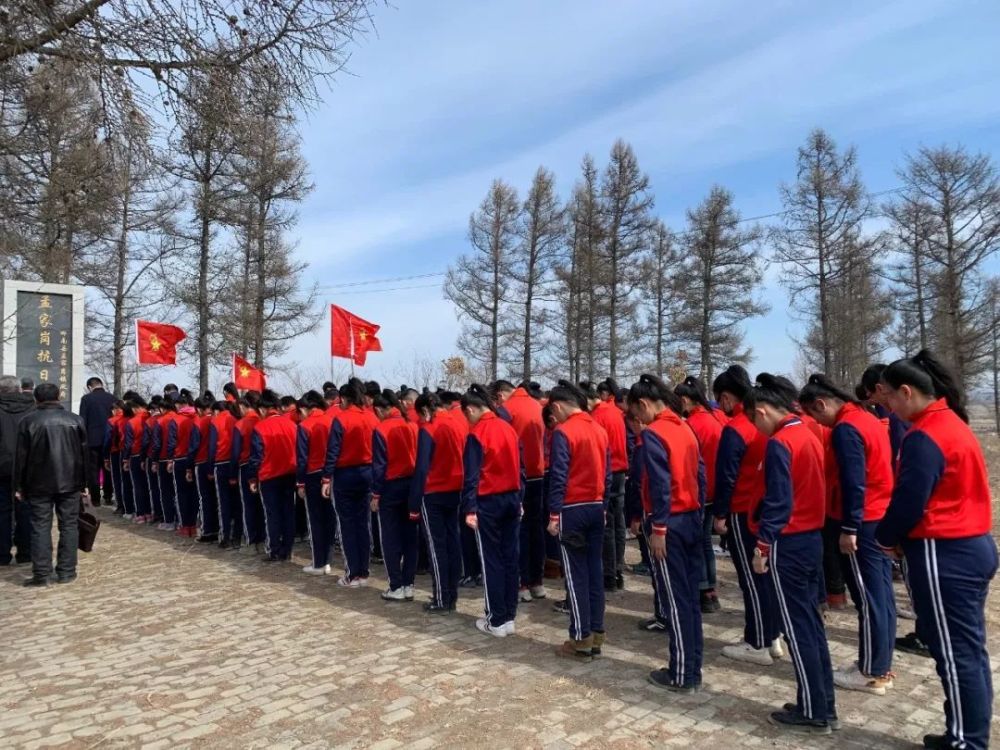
469,582
39,582
270,559
22,560
796,722
561,607
641,569
609,584
66,579
661,678
119,511
433,608
620,581
912,645
937,742
376,559
709,603
208,538
833,721
224,544
652,625
234,547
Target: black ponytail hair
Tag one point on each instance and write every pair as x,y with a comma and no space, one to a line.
448,397
860,393
588,390
231,389
388,399
870,378
568,393
694,389
136,402
771,389
269,399
820,386
313,400
127,410
931,377
652,388
734,380
608,387
352,392
478,395
204,402
209,395
429,401
252,399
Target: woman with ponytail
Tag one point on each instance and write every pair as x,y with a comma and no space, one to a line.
787,522
250,502
220,462
394,454
271,474
311,441
579,481
611,418
491,504
877,395
705,422
859,446
940,519
673,496
739,485
347,479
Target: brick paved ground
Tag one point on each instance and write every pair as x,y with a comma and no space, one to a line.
163,643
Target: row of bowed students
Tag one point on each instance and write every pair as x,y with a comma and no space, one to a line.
806,487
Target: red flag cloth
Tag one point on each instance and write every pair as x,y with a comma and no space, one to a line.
246,376
352,334
156,343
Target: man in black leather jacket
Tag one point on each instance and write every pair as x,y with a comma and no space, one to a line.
50,473
15,528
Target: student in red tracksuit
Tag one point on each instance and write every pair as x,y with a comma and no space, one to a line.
860,449
313,438
940,518
739,484
788,522
220,462
394,456
607,414
526,419
253,509
133,452
208,501
491,504
165,480
435,495
672,486
113,435
271,471
347,478
706,422
579,484
182,444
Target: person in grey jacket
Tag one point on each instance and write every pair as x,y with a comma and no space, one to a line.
15,525
50,474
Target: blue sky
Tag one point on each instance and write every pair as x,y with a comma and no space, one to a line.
448,95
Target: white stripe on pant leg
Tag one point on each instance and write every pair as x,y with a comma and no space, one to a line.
748,576
243,505
309,529
574,605
866,617
340,536
940,618
482,565
223,532
268,547
381,542
201,503
793,642
439,594
675,616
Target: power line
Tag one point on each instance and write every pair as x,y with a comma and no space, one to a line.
390,289
381,281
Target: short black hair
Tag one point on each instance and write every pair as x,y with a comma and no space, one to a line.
91,382
46,393
27,384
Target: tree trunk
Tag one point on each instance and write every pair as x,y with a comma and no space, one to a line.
118,335
706,320
258,323
529,293
203,301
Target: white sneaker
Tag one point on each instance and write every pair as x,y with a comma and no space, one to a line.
128,516
395,595
509,627
853,678
747,653
539,592
408,592
349,583
361,582
310,570
483,626
524,595
776,650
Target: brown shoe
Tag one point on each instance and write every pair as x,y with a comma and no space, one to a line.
578,650
598,643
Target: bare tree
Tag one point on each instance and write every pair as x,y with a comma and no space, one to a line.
663,288
909,274
722,274
479,283
994,297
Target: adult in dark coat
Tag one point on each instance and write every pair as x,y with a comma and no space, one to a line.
15,523
50,466
95,409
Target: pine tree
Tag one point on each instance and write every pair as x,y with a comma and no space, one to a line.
663,291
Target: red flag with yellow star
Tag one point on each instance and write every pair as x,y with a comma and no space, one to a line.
246,376
156,343
352,336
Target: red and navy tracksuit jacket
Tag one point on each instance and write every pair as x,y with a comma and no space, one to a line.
707,427
182,437
152,438
203,425
739,476
795,499
350,444
438,466
491,462
526,419
897,430
672,473
312,440
942,489
113,434
579,464
272,451
394,451
611,418
863,456
220,438
134,434
242,438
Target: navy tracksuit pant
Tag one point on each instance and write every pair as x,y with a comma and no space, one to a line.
128,501
253,509
116,479
868,574
208,502
498,537
614,531
949,579
472,563
398,533
796,567
444,546
278,498
140,494
230,507
581,541
676,582
762,623
532,542
187,503
352,488
708,572
320,517
153,485
167,494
